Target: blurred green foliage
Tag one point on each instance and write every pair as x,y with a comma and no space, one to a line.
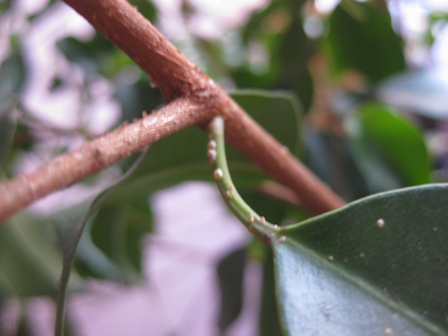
330,115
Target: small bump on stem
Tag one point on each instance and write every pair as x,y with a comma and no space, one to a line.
216,153
98,153
211,154
211,144
217,174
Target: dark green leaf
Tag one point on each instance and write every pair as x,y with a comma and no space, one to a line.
70,226
271,208
269,318
4,6
329,157
12,76
90,261
278,112
12,71
376,266
388,149
29,265
287,47
94,56
292,58
118,232
24,327
368,45
7,128
136,98
231,275
146,8
56,84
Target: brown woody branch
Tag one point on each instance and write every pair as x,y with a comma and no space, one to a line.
129,30
97,155
192,98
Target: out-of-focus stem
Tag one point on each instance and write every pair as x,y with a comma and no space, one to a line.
255,223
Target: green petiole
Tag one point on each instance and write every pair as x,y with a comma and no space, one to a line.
256,224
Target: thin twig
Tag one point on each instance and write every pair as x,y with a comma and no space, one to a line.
96,155
193,98
129,30
256,224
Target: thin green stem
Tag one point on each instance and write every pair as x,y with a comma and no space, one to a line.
255,223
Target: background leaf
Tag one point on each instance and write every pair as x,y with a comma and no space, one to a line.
287,50
330,157
278,112
12,77
7,128
364,42
30,266
269,315
388,149
70,225
119,230
12,70
231,275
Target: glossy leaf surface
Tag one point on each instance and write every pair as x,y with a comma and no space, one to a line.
376,266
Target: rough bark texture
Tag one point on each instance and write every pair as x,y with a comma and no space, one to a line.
192,98
129,30
96,155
